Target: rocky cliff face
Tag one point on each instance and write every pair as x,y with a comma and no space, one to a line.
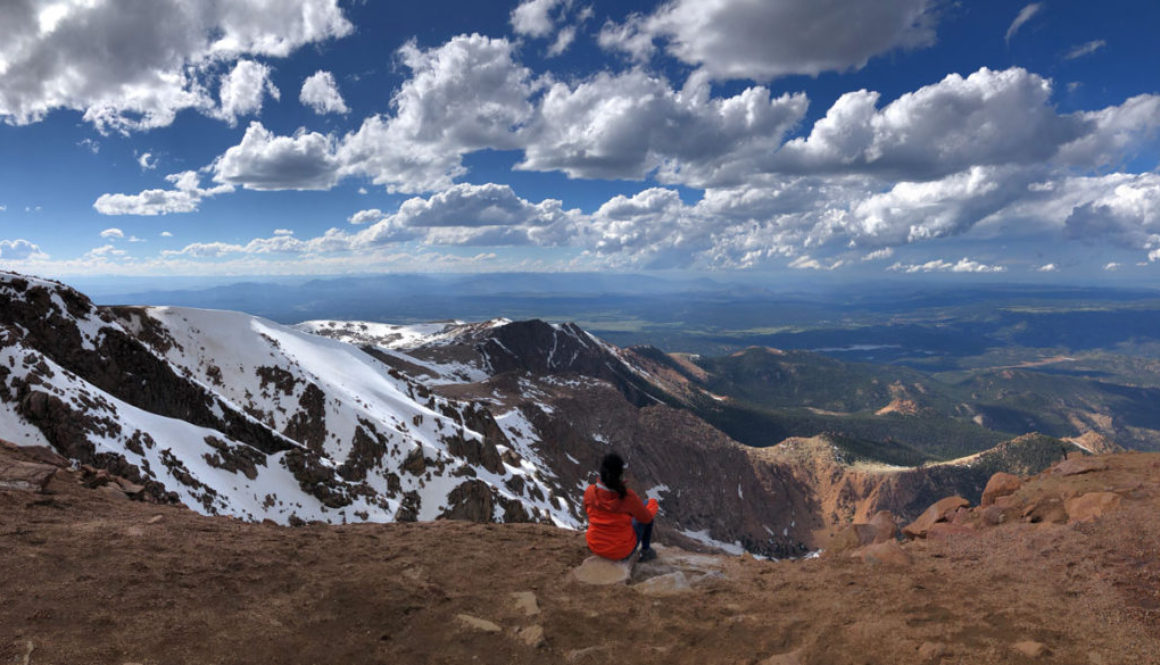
840,492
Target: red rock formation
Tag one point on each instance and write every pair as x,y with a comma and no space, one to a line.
1000,484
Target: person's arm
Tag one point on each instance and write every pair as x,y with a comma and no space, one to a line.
640,512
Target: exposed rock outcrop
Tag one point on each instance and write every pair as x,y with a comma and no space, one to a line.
1001,484
26,476
938,512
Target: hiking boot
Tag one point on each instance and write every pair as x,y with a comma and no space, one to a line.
647,555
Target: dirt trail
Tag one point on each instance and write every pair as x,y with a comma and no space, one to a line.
89,578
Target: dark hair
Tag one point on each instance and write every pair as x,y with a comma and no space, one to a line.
612,473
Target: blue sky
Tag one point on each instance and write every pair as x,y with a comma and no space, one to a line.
898,138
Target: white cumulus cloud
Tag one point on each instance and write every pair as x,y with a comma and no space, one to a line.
466,95
20,250
488,214
243,89
132,68
1114,134
988,118
534,17
734,39
320,93
1121,208
563,40
104,253
367,216
264,161
630,124
184,197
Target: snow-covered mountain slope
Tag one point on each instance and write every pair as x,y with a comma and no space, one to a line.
397,344
403,337
492,421
237,415
460,352
347,421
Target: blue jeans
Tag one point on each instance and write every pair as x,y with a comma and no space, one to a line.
643,535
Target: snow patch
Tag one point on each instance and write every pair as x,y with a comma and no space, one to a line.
703,537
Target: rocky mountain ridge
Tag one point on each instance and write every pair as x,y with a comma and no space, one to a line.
239,416
494,421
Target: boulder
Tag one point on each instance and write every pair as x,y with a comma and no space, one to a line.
1030,648
595,654
128,487
599,571
1092,505
1074,467
475,623
1048,510
1000,484
938,512
994,516
1004,509
664,585
931,652
525,601
886,525
947,530
532,636
24,476
889,553
851,537
879,529
961,516
41,454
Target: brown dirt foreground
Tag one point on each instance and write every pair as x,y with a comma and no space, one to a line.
89,578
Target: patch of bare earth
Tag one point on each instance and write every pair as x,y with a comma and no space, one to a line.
88,577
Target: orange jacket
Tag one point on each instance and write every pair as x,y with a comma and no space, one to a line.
610,533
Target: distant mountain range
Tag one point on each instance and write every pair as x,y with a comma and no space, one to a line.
344,421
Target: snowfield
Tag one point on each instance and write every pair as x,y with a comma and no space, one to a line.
378,446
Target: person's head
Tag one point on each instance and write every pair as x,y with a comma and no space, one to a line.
612,473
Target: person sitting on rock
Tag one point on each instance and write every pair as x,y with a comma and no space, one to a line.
618,521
